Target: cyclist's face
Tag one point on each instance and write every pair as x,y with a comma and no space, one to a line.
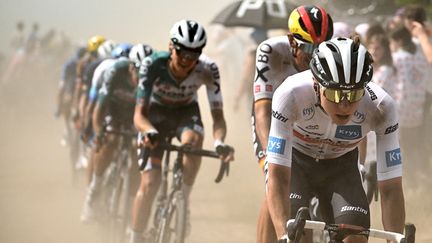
302,53
183,60
341,112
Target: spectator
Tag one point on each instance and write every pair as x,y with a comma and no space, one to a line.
412,71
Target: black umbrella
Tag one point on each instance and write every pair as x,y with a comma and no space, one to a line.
267,14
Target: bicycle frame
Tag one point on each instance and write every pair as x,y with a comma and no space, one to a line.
171,199
118,202
339,231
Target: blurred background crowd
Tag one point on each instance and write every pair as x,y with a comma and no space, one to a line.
398,34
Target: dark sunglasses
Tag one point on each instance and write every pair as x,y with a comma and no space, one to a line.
337,95
187,53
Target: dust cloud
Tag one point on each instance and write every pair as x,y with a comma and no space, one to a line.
39,201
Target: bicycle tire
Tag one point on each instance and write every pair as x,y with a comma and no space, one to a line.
172,227
120,205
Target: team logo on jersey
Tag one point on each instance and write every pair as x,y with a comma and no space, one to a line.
279,116
371,93
308,112
257,88
276,145
269,88
391,129
393,157
312,127
260,74
349,132
358,117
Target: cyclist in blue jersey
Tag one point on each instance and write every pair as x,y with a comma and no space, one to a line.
319,117
167,103
66,90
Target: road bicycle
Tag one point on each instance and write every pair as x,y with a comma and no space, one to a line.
170,214
117,200
337,232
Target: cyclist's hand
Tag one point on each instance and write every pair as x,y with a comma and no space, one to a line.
226,152
150,139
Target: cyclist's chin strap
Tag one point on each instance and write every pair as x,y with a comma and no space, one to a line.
317,87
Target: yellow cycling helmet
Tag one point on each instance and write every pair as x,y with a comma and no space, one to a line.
310,24
94,42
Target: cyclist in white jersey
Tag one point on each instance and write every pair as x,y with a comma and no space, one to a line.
319,117
167,103
276,59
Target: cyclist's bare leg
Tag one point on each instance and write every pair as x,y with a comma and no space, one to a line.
101,160
105,155
191,163
150,181
265,229
134,175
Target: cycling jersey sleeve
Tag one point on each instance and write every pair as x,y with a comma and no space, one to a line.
279,148
146,78
389,160
273,64
105,88
96,81
213,87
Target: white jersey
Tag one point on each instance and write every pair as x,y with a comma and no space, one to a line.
98,77
274,62
299,122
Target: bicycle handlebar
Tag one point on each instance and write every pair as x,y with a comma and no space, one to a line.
188,149
295,228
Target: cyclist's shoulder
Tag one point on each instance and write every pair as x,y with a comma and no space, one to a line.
106,63
158,57
297,85
276,44
121,63
206,64
378,102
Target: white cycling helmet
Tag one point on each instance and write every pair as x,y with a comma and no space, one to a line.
189,34
105,49
139,52
341,63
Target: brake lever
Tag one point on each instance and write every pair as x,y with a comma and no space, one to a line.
223,169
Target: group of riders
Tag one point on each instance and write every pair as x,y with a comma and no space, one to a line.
313,106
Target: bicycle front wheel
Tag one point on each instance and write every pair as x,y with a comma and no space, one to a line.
172,227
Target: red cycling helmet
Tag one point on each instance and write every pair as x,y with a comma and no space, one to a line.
310,24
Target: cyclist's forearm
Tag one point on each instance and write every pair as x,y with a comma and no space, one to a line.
263,119
141,122
219,125
278,196
392,205
97,119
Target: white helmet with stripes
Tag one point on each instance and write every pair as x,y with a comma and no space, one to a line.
189,34
105,49
342,63
139,52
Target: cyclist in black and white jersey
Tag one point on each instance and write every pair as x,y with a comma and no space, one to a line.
319,117
167,103
276,59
